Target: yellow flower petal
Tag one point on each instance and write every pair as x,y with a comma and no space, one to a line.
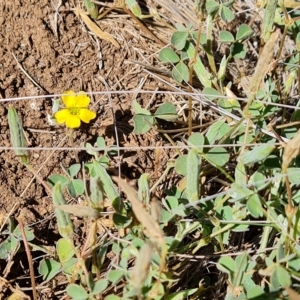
69,98
62,115
73,121
82,100
86,115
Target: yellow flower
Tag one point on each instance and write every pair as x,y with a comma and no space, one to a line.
76,109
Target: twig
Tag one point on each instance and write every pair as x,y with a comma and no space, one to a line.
29,258
27,75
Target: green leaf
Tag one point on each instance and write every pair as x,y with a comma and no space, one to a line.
211,93
112,297
222,68
92,9
298,41
181,27
69,266
181,295
254,206
229,104
142,123
197,140
180,165
192,177
144,189
238,50
90,150
244,31
257,154
96,193
226,37
9,247
74,169
294,175
226,14
180,72
115,275
256,292
77,292
283,276
219,156
17,135
53,179
217,131
226,264
64,250
295,264
172,202
256,109
167,55
76,187
109,187
134,7
239,192
49,268
28,233
121,221
166,111
65,225
100,142
229,3
241,262
100,286
179,38
166,216
203,75
139,110
104,161
257,180
212,6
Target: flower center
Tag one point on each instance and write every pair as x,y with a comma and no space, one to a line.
74,110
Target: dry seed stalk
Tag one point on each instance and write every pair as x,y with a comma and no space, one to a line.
261,69
152,228
263,63
142,264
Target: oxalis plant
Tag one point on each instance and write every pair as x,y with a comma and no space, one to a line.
83,264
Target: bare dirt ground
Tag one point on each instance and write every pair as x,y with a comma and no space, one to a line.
70,58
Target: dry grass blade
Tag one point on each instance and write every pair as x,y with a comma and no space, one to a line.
263,64
94,28
155,206
80,211
293,295
291,150
286,4
152,228
182,12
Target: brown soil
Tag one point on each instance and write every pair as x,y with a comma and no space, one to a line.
71,59
52,46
